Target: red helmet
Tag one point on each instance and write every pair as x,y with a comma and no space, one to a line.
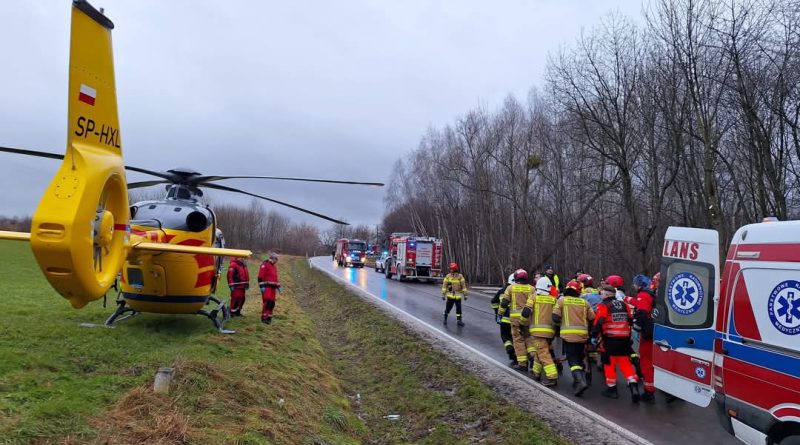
520,274
574,285
655,281
453,267
615,281
586,279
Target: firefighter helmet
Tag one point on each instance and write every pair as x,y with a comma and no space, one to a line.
641,281
574,285
520,274
586,279
543,285
453,267
615,281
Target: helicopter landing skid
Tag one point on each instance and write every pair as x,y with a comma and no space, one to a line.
218,316
121,309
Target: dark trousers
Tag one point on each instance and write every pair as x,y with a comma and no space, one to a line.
449,306
508,340
575,355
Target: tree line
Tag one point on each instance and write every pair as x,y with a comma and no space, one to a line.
691,118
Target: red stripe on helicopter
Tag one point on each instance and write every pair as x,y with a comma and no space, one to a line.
204,278
122,227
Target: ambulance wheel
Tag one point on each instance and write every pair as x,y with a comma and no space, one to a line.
388,271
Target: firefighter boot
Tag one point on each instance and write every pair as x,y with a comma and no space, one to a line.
459,322
634,387
445,319
648,397
637,365
511,354
580,378
610,392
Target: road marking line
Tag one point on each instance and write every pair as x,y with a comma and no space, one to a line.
614,427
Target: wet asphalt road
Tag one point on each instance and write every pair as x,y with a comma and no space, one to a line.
676,423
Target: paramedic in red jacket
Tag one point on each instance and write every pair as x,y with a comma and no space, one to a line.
238,283
643,303
269,285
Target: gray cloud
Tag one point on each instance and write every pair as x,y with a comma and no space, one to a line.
317,89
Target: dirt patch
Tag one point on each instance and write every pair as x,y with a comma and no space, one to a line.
143,417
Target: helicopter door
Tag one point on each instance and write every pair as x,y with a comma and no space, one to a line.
683,352
149,280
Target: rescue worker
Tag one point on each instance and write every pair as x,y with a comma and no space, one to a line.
619,284
454,287
574,315
269,286
503,318
643,303
516,299
592,354
552,276
543,331
612,327
587,282
238,283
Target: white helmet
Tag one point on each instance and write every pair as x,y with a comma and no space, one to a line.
543,285
511,279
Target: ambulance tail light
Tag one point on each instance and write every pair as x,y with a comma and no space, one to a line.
716,373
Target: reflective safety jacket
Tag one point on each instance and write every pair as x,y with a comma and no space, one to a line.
238,276
574,315
613,319
518,296
502,315
454,286
588,290
542,325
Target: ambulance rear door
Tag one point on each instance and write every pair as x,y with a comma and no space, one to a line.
683,339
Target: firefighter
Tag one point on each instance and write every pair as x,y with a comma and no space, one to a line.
238,283
454,287
516,300
587,284
612,327
503,318
574,314
643,303
543,331
269,286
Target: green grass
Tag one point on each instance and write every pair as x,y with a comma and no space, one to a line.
62,382
388,370
325,372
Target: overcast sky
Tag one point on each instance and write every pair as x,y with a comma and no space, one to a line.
333,89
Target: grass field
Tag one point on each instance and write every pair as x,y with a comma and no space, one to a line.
325,372
60,382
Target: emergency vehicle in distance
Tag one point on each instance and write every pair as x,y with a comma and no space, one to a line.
734,340
413,257
350,252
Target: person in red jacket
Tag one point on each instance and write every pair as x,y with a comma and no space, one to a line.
643,303
269,286
612,326
238,283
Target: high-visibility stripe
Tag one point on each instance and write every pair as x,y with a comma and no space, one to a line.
508,343
531,349
505,320
542,330
576,368
574,331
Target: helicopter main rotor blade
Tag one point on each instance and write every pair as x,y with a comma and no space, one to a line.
140,184
41,154
203,179
310,212
44,154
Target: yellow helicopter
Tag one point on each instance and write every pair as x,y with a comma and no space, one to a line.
163,256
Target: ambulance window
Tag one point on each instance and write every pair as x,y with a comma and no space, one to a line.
688,294
766,306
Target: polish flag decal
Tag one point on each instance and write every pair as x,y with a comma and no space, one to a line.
87,94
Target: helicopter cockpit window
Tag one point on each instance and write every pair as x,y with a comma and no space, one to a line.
168,216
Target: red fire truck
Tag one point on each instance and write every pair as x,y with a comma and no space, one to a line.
350,252
734,341
414,257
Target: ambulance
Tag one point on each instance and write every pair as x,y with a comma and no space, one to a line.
732,336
